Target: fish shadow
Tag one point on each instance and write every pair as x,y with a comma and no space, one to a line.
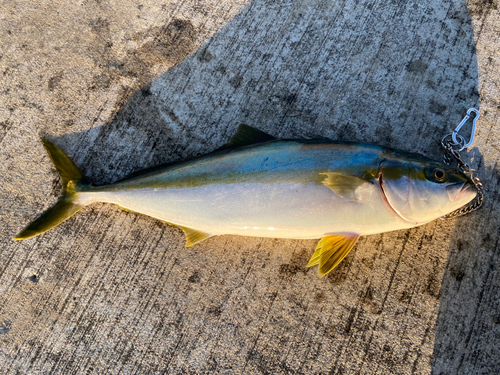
400,75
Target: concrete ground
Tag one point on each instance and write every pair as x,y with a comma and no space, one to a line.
124,85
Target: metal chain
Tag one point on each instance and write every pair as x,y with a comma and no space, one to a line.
449,154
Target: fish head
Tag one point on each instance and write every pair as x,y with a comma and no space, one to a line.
422,190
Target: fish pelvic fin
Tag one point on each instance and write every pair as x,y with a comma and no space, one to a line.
72,181
331,250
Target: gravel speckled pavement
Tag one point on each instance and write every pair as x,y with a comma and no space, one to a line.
124,85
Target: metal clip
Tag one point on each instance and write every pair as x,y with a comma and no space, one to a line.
455,134
451,153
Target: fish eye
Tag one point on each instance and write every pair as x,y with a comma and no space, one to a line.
439,174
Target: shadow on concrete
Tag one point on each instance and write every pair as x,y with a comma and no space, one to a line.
397,76
468,326
400,75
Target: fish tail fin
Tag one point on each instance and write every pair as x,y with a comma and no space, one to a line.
72,182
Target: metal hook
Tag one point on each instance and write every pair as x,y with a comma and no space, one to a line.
455,132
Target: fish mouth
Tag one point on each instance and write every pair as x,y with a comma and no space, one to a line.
460,190
388,202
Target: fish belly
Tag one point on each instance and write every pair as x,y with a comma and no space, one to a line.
280,210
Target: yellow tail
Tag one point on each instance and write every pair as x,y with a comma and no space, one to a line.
72,180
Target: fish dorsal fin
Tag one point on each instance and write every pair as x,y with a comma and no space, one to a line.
331,250
194,236
342,184
246,135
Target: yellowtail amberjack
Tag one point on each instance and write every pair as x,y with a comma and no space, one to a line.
259,186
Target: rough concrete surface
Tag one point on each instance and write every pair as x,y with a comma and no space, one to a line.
124,85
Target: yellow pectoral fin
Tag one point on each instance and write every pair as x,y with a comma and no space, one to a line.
342,184
331,250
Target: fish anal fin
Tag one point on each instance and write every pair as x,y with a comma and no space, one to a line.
194,236
342,184
246,135
331,250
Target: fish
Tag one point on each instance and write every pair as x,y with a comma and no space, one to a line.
260,186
